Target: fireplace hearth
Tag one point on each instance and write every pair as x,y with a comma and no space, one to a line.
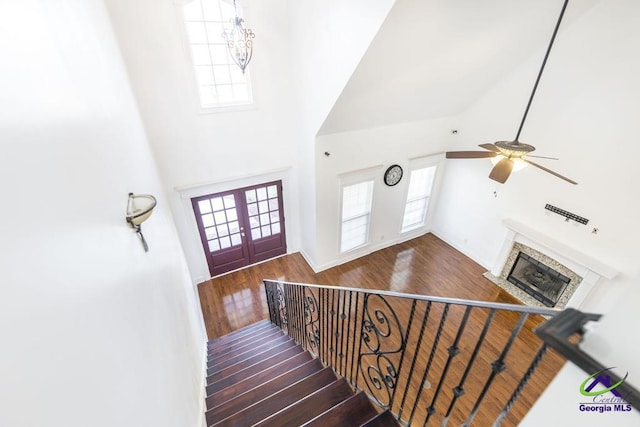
537,279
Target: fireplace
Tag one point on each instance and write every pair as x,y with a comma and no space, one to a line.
537,279
583,272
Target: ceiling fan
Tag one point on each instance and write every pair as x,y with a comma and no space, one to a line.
514,153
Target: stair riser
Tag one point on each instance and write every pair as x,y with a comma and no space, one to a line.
259,378
246,362
241,332
228,408
223,347
357,409
252,370
245,351
309,407
279,400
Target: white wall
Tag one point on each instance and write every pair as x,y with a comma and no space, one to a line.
357,150
200,150
585,113
94,331
329,38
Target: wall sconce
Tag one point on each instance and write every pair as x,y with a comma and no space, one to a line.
139,209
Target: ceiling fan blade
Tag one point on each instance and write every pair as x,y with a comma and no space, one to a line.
550,171
543,157
489,147
502,170
469,154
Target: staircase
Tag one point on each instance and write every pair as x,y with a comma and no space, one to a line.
258,376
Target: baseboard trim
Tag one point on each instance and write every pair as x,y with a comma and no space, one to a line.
367,250
484,263
203,387
307,258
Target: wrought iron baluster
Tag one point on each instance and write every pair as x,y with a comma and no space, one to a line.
332,349
497,366
291,318
346,336
434,347
454,350
521,385
459,389
302,330
299,319
343,316
416,352
323,333
288,304
404,348
354,354
267,289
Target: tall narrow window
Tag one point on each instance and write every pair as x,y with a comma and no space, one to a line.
415,209
220,81
356,214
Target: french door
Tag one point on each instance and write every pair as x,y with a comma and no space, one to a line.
241,227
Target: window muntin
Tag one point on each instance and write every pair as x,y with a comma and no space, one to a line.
415,210
356,215
220,81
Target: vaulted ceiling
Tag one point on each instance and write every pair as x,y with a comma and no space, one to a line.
434,58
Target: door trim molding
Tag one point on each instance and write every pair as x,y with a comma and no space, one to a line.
186,192
203,188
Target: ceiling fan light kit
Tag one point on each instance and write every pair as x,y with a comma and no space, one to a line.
511,156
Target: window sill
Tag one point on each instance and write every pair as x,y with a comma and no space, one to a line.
226,109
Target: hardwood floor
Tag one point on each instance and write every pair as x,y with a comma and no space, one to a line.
426,266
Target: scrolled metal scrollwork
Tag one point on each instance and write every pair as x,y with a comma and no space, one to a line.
383,347
311,321
281,306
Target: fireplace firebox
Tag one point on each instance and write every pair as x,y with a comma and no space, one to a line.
537,279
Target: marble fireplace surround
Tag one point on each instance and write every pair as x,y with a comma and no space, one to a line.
585,272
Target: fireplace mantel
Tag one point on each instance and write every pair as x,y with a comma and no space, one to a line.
589,268
560,248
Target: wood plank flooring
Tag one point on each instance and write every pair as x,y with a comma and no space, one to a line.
425,265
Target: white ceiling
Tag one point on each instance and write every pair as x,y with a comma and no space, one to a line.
434,58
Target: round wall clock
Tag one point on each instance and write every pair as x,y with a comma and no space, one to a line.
393,175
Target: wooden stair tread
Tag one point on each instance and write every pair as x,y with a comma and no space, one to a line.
220,346
223,346
249,361
256,380
239,332
354,411
217,365
224,409
228,380
310,406
258,376
384,419
241,346
279,400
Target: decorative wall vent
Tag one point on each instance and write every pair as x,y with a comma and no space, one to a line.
568,215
